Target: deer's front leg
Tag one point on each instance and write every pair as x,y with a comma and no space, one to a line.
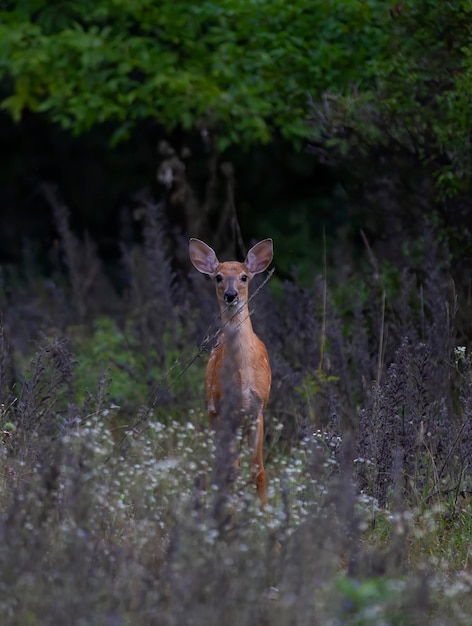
256,442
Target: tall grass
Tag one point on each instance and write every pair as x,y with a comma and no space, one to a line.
119,508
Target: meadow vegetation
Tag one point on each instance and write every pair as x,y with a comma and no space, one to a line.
342,134
117,509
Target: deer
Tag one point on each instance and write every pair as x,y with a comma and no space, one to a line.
239,363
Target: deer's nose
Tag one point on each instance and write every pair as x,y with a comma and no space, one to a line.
230,295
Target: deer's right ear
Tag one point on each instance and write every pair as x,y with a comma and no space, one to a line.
203,257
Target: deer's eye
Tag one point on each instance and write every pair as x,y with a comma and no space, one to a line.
244,278
219,278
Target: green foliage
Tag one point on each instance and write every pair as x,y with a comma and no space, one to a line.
312,386
419,99
134,374
109,349
241,69
365,600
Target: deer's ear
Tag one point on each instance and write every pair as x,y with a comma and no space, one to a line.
203,257
260,256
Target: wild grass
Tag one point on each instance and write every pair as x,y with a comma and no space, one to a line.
118,508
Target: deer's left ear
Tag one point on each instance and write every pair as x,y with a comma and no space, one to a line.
260,256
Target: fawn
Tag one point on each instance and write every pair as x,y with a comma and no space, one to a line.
240,357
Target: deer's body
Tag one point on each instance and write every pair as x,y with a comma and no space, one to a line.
238,368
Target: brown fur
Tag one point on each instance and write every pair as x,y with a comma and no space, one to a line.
239,351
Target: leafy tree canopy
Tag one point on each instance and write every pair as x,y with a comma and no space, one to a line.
419,101
241,68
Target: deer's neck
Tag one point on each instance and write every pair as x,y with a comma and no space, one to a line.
237,326
238,341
